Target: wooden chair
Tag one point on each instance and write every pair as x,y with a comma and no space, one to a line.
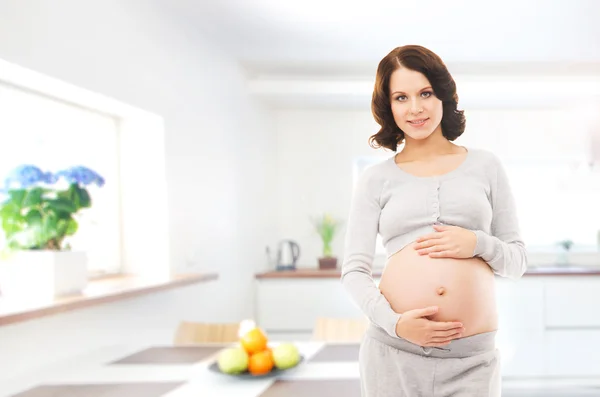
189,333
339,329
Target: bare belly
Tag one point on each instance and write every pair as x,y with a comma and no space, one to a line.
463,289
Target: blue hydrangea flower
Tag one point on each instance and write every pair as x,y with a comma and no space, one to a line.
81,175
27,175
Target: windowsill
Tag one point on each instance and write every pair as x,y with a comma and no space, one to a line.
104,290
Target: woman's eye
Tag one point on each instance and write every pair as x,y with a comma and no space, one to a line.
425,94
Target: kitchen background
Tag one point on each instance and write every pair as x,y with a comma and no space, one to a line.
259,119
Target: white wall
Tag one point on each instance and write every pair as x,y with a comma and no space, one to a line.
220,152
316,149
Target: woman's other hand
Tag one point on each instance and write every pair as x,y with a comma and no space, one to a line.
416,328
447,242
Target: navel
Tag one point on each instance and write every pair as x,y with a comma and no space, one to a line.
441,291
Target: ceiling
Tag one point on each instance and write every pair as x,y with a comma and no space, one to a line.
315,36
279,41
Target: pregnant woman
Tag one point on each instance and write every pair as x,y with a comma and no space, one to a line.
447,219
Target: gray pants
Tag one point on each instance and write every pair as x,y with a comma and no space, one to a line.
395,367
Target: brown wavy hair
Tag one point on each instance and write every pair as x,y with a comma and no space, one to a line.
424,61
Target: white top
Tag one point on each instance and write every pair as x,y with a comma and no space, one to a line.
401,207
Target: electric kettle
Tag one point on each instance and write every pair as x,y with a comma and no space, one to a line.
288,252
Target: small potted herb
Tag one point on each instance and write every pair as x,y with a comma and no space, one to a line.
327,228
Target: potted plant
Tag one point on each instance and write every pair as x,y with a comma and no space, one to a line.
563,255
326,227
38,215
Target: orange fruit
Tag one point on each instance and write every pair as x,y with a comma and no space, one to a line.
254,341
261,363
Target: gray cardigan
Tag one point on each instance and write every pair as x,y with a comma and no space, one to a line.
401,207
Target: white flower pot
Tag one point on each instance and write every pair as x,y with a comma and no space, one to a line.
43,274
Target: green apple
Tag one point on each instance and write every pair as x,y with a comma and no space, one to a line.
233,360
285,355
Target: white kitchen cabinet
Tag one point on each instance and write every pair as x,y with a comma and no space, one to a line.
293,305
520,336
573,352
573,302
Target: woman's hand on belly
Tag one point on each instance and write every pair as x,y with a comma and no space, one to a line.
416,328
447,242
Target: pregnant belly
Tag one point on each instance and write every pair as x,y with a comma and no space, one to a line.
462,289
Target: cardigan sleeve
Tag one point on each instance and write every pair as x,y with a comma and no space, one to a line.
503,249
359,252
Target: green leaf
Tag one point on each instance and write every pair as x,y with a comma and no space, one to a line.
12,220
49,226
33,233
67,194
72,227
61,205
61,227
26,239
9,210
33,198
84,197
66,227
11,226
34,217
70,194
17,196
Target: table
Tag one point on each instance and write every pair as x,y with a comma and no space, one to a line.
328,369
169,371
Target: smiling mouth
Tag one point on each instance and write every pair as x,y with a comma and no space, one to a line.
418,122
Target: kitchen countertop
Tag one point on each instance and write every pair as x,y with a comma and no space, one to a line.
570,270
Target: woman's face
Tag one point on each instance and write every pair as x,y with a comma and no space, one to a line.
416,109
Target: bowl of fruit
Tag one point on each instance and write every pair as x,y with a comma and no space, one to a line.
254,357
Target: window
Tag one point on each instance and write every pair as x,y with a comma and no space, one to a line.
550,165
54,135
556,201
